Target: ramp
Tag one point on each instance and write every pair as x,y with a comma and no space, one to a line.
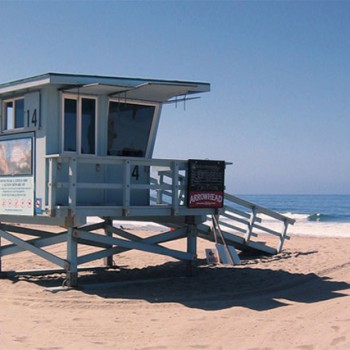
248,227
244,225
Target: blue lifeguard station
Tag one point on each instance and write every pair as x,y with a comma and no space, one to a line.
75,146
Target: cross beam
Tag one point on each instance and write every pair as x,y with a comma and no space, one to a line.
111,240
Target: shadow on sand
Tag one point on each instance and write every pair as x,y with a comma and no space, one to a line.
210,288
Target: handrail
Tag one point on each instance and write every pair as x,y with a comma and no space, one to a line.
167,189
63,173
242,219
250,225
262,210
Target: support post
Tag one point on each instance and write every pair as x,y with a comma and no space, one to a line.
191,247
72,258
108,260
0,257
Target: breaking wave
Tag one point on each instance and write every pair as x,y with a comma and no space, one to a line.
328,218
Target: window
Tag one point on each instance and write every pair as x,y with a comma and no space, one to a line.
13,111
70,125
129,127
88,111
79,118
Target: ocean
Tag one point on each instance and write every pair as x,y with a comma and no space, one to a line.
317,215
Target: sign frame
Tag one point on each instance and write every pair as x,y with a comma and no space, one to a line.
206,183
17,185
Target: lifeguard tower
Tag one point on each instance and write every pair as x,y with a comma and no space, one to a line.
75,146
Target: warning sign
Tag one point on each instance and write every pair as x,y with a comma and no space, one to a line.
17,195
38,206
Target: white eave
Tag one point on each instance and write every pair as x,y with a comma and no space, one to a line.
23,85
152,90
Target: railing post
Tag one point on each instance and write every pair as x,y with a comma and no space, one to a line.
175,187
283,235
182,192
160,191
126,185
72,191
251,225
52,180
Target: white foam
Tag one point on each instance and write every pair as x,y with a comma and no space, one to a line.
325,229
135,225
301,227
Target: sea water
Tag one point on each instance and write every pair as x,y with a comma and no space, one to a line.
317,215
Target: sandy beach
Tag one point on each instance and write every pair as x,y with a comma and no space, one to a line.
299,299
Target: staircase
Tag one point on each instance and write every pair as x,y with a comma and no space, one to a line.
249,227
245,225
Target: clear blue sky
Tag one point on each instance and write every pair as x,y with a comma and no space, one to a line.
279,108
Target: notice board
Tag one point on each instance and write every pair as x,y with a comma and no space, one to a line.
206,183
16,176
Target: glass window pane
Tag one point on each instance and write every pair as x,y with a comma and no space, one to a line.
70,125
9,120
129,126
19,113
88,111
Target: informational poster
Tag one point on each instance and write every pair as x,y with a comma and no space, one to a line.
206,183
16,177
16,157
17,195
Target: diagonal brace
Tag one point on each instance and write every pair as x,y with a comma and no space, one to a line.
30,247
36,242
151,248
159,238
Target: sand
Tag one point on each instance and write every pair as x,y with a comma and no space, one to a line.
299,299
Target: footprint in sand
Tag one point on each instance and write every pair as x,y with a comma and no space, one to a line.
338,340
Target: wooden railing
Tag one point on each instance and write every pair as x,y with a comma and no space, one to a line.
243,222
67,181
164,188
250,221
